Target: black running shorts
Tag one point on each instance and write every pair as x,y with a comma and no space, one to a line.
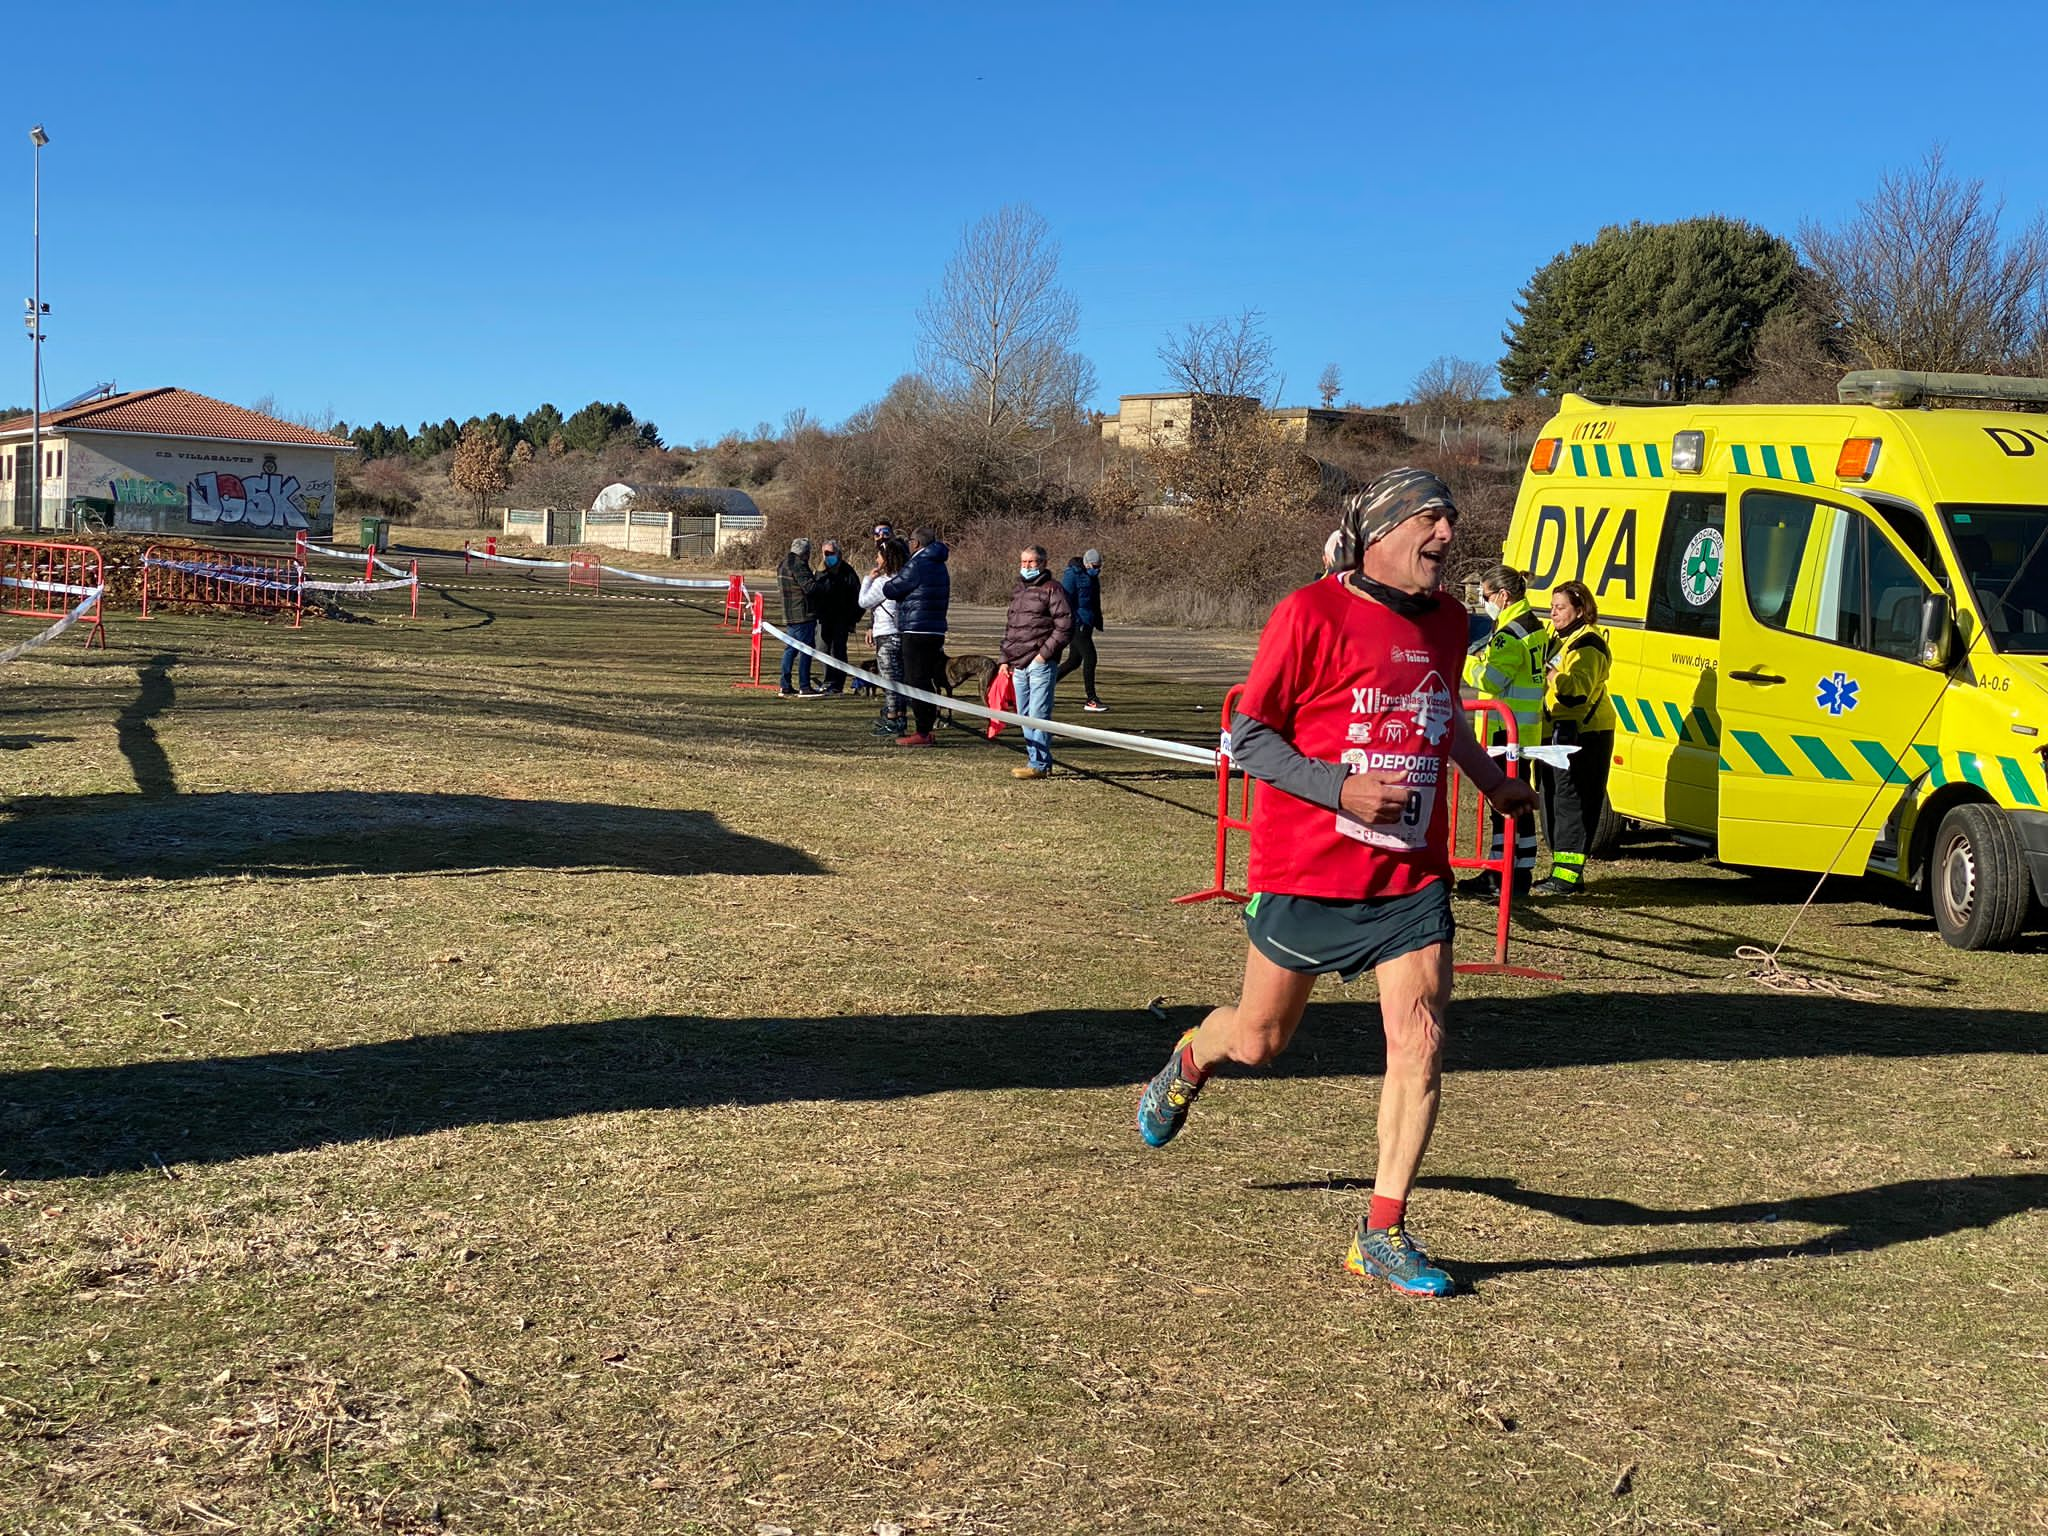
1314,937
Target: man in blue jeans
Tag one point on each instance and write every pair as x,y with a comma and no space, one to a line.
799,618
1040,622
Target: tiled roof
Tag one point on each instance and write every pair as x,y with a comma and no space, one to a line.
177,413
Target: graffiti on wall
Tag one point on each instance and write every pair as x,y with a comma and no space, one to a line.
268,500
134,491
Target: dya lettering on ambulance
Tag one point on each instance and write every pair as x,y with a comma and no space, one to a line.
1604,546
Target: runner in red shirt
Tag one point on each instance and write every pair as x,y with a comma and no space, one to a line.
1351,721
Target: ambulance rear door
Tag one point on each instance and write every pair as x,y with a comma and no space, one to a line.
1823,699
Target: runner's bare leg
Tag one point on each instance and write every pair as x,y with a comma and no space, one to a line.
1258,1026
1415,993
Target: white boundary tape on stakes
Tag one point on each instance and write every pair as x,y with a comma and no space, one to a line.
697,583
23,647
357,586
404,576
1151,746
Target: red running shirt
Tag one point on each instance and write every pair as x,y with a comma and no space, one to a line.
1346,679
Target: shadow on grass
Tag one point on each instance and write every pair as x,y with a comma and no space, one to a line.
62,1122
324,833
1859,1220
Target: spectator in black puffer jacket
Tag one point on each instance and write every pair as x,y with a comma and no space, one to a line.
835,599
922,594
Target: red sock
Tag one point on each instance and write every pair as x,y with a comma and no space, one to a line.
1384,1213
1188,1069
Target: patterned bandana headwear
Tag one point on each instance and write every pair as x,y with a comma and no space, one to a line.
1373,513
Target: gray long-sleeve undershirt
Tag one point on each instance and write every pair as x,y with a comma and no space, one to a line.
1272,759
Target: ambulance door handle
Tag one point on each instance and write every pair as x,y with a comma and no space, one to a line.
1756,677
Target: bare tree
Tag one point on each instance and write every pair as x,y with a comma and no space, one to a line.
997,338
1453,386
1923,277
1231,461
1222,359
1329,385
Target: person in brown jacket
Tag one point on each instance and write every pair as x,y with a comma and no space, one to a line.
1040,623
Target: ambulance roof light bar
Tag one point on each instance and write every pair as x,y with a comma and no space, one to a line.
1893,387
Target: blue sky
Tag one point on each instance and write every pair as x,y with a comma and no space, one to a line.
720,212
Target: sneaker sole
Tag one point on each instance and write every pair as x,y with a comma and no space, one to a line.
1143,1134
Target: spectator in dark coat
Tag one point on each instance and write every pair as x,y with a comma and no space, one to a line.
835,600
1083,583
922,592
799,618
1039,624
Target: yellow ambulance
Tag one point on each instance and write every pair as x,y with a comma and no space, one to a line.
1829,627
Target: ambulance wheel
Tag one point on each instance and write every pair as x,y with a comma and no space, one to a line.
1608,832
1979,878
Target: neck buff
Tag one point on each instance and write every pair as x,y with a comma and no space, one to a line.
1410,605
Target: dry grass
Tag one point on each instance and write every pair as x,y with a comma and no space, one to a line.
488,1075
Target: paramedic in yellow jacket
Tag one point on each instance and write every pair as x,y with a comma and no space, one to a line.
1576,713
1507,668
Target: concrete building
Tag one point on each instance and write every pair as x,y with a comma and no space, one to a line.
169,461
1163,421
672,520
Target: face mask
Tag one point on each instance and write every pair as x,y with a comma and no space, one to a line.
831,559
1028,573
1493,608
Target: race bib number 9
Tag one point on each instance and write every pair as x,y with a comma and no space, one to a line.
1411,830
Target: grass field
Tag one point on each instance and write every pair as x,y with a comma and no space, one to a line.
489,1075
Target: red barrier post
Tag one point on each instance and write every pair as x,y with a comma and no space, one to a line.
370,563
465,557
1502,864
1218,888
299,546
415,587
753,677
491,545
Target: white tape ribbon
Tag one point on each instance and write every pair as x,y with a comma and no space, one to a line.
1557,757
1151,746
356,586
23,647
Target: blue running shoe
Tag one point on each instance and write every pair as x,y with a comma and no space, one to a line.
1390,1254
1163,1108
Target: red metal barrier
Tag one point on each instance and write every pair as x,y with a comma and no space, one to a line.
584,572
1481,858
1218,888
265,583
1229,820
753,677
46,581
734,618
299,546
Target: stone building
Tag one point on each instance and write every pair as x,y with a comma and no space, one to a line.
1163,421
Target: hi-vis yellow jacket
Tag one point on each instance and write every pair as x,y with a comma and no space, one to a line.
1576,692
1508,668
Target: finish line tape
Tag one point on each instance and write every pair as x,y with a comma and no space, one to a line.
23,647
1150,746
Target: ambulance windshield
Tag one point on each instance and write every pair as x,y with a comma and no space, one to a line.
2004,555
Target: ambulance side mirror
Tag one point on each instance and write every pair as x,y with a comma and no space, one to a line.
1937,642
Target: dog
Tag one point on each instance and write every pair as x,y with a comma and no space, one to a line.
978,670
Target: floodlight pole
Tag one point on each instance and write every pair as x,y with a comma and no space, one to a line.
35,332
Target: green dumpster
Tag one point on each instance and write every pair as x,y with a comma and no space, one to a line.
376,533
